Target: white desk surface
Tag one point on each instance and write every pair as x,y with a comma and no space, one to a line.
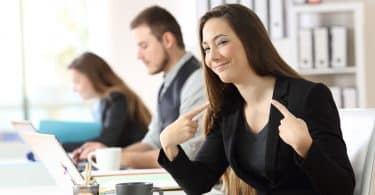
18,176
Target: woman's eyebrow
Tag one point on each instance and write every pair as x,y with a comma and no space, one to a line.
214,38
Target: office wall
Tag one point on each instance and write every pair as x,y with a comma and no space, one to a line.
370,48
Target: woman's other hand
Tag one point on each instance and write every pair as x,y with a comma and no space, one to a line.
293,130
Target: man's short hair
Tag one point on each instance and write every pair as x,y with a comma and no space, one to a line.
159,20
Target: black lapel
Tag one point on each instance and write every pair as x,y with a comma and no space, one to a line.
280,93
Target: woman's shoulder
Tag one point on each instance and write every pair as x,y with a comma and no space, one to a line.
302,92
304,85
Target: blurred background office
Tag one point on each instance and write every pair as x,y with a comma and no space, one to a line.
39,37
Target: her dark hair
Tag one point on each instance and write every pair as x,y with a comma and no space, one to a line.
105,81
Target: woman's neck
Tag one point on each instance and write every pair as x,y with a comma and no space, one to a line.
256,89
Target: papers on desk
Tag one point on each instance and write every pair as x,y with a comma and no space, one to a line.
159,177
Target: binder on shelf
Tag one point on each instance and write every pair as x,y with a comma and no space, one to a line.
305,48
321,48
349,97
299,1
214,3
231,1
338,46
247,3
202,7
261,9
277,19
336,94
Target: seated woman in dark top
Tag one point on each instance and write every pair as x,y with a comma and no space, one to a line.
123,115
269,131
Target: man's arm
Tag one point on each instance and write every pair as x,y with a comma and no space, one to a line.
140,156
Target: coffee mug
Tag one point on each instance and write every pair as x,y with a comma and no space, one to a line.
90,189
107,159
137,188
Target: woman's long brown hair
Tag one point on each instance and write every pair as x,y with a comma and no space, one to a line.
105,81
263,60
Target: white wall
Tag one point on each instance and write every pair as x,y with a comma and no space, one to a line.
369,49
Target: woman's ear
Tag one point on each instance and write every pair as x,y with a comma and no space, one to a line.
168,40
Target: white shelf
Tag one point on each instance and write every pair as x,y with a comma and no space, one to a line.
333,71
347,14
327,7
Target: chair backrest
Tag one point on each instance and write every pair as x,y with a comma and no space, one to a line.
70,131
358,131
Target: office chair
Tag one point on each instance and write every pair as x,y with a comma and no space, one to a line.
358,127
70,131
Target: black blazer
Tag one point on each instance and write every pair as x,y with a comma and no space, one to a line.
326,170
118,129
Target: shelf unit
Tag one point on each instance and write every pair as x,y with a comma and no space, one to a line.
348,14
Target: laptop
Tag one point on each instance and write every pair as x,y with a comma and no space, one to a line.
24,126
27,126
50,152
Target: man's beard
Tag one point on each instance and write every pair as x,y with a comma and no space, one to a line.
164,63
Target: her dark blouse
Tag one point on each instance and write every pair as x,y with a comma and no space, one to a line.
251,150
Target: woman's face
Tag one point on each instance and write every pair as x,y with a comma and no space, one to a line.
224,52
82,85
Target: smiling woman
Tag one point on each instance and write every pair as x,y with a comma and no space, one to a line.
269,131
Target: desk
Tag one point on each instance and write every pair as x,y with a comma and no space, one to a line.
59,191
19,176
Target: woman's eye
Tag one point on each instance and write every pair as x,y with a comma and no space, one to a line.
221,42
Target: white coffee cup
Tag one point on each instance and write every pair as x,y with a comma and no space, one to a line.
107,159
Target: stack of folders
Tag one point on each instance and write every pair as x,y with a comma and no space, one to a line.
323,48
344,97
306,1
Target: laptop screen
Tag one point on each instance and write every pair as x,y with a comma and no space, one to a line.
50,152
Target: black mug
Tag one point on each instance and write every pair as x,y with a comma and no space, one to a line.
137,188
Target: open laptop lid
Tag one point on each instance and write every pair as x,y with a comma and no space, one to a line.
50,152
24,126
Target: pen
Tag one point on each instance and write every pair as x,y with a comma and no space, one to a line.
88,169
